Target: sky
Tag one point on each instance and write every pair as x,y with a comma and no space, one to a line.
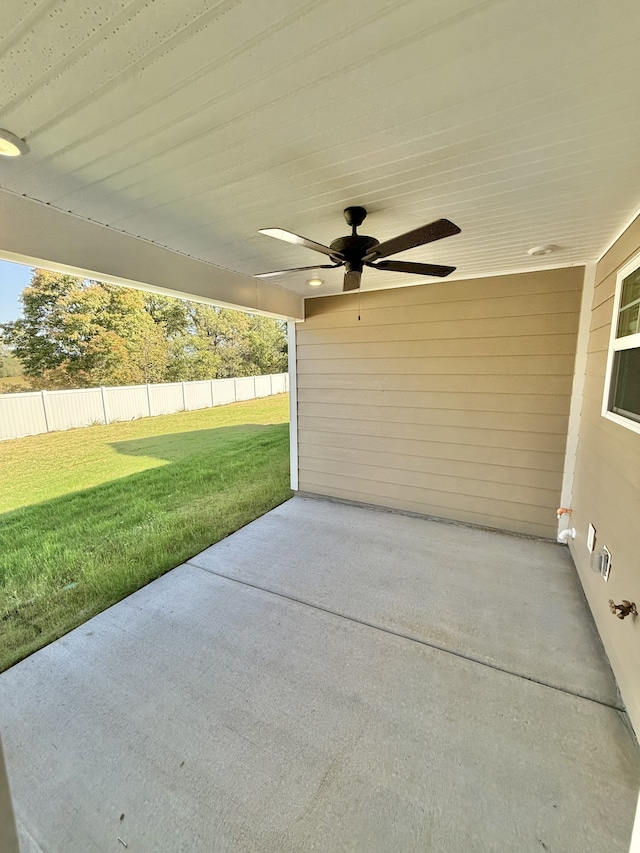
13,278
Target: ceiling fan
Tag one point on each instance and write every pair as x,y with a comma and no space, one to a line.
357,251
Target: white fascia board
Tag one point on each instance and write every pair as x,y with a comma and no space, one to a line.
37,234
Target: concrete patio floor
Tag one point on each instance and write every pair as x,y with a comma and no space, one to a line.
329,678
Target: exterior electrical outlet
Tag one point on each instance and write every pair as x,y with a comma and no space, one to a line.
605,569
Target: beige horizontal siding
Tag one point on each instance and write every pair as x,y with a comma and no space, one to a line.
441,330
504,515
432,452
471,436
430,416
504,346
464,469
473,290
607,490
448,399
474,384
559,365
526,304
477,402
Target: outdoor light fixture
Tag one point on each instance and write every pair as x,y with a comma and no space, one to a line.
541,250
315,282
11,145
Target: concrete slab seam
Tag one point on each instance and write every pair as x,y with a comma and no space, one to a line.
408,637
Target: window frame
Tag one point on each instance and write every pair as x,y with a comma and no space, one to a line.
618,344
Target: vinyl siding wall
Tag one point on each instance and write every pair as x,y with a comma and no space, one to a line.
447,399
607,490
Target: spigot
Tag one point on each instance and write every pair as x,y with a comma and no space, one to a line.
624,609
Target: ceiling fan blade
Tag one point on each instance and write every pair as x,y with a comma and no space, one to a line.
352,280
297,269
288,237
426,234
417,269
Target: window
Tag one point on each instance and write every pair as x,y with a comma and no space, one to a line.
622,387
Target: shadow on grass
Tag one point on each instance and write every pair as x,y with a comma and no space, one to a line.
65,560
180,445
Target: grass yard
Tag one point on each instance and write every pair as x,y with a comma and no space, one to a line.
87,516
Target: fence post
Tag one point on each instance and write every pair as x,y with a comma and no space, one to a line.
235,390
271,384
104,404
44,410
149,398
184,398
213,395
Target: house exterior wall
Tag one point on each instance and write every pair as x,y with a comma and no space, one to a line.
448,399
606,490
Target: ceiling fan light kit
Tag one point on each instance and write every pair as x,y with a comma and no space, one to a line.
356,251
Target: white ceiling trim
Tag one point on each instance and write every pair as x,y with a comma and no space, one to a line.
40,235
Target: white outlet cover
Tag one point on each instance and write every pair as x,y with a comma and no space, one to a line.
606,563
591,538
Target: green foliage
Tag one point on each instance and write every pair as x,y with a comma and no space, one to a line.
77,333
9,365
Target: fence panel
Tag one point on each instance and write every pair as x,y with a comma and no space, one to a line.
245,388
77,408
224,391
35,412
278,384
21,414
262,385
126,402
166,398
198,395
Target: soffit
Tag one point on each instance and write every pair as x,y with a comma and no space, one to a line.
194,124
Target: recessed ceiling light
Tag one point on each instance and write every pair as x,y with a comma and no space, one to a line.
315,282
541,250
11,145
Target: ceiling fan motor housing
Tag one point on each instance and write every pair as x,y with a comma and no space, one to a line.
353,249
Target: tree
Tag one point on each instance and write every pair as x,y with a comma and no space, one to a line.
79,333
9,364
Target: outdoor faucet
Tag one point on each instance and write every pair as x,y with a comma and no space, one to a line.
624,609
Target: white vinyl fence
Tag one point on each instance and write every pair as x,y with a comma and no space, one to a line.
34,412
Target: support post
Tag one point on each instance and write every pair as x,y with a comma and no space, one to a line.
293,406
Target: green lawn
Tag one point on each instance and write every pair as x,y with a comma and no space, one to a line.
87,516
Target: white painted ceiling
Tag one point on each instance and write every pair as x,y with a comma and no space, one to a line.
194,123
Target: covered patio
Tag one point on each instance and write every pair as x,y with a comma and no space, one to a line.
339,676
383,682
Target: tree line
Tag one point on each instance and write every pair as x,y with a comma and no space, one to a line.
78,333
